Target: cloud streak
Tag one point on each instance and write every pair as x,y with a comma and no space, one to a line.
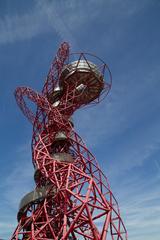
16,184
65,18
140,206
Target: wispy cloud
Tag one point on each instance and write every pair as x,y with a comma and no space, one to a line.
140,205
16,28
65,18
134,154
61,17
17,183
20,180
5,226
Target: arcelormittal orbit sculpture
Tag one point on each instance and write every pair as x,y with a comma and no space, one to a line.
72,198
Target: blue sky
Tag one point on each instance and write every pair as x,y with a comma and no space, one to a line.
123,131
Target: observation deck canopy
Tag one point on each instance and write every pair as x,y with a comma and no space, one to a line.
84,77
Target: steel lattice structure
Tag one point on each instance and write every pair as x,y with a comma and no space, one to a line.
72,198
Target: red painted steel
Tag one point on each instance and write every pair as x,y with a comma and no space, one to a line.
78,202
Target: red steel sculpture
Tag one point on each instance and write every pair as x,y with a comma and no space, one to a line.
72,198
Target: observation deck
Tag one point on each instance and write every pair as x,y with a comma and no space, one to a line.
85,78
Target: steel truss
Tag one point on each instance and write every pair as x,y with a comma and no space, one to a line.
72,198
